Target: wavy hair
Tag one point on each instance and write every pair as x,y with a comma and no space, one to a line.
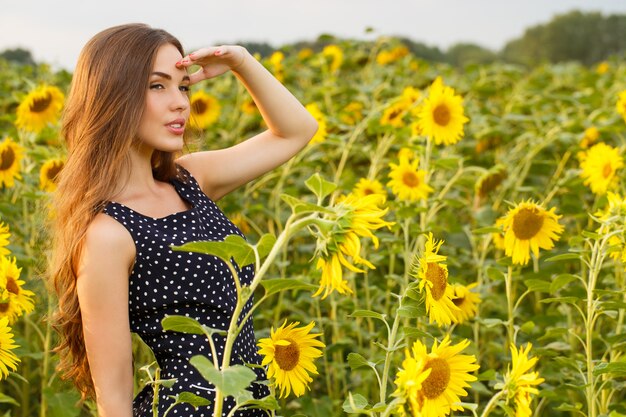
100,121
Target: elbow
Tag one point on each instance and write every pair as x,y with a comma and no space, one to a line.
311,129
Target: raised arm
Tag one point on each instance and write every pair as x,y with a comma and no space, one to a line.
102,287
290,125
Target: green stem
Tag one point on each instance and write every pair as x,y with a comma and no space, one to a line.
509,301
390,344
492,403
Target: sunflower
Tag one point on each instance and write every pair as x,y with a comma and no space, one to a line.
520,383
363,214
48,174
332,275
40,107
441,116
393,114
366,187
352,113
14,300
447,375
466,300
336,54
289,353
10,157
385,57
490,180
433,276
599,167
8,359
305,53
409,380
621,104
407,181
320,135
498,237
276,64
602,67
5,235
528,226
590,137
205,110
249,107
353,217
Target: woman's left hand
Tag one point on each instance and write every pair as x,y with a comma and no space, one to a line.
214,61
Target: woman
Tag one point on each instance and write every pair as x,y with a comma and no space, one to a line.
126,195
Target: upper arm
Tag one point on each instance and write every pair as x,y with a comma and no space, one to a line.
102,286
221,171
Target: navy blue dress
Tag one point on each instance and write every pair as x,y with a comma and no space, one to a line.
164,282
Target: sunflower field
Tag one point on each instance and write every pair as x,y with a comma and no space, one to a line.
451,242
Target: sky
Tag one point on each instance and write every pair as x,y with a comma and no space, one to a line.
55,31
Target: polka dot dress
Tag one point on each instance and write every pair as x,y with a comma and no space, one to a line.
164,282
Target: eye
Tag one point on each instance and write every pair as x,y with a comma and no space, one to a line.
156,86
184,88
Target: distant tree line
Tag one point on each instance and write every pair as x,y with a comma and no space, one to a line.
575,36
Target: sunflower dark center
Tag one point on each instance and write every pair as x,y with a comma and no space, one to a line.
12,286
527,223
394,114
200,106
439,278
607,170
54,171
437,382
40,104
442,115
458,301
410,179
287,356
4,307
7,157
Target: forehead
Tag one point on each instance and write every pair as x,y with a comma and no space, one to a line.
166,58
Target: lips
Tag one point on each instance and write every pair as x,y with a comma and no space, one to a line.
177,126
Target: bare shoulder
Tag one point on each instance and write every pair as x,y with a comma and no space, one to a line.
196,163
107,245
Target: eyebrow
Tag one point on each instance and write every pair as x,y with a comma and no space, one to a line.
167,76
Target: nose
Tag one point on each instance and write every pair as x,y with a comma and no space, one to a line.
180,101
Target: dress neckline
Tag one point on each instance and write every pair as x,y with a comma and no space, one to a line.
175,183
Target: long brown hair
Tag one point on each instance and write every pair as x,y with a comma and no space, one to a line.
100,121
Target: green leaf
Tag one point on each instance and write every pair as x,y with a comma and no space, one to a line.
415,333
491,322
563,257
60,404
265,244
298,206
566,300
233,246
562,280
591,235
495,274
275,285
411,311
189,398
367,313
319,186
357,361
231,381
355,403
537,285
615,368
266,403
8,400
187,325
